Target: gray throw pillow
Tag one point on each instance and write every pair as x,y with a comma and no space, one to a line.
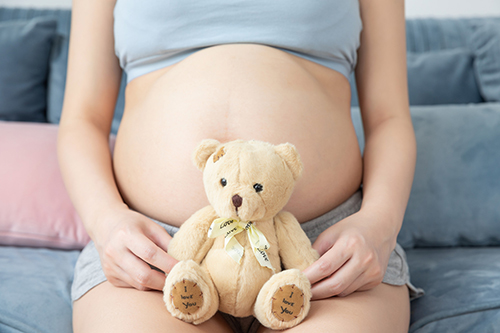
25,47
485,41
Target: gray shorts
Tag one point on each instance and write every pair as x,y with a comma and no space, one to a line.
88,271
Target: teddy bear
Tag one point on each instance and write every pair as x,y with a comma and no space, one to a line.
242,254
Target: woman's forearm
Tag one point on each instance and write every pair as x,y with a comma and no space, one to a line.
86,166
367,238
389,165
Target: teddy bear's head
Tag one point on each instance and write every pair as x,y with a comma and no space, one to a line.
247,180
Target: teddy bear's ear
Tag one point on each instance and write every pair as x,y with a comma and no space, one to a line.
201,154
290,155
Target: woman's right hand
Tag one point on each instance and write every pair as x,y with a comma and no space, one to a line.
127,242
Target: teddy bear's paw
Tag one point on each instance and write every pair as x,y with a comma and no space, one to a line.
284,300
189,293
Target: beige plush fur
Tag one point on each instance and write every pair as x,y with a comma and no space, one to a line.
245,288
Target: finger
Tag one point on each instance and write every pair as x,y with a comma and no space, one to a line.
117,276
139,275
158,235
355,286
148,251
329,263
119,283
362,283
325,241
120,279
338,282
113,277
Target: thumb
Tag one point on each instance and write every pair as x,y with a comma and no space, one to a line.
325,240
158,235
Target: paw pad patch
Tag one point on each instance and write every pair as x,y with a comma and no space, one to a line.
288,302
187,297
219,154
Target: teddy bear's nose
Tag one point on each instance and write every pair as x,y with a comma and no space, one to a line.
237,200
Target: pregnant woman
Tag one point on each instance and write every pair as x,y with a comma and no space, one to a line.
274,71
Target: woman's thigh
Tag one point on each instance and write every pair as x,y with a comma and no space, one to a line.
106,308
385,308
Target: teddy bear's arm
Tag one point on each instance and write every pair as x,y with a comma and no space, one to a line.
192,241
294,246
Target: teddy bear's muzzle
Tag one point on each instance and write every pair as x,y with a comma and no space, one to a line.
243,206
237,201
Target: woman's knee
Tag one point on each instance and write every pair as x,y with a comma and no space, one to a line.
385,308
106,308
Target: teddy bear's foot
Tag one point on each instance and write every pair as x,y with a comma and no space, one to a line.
284,300
189,293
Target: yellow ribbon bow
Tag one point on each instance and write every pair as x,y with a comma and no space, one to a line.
230,228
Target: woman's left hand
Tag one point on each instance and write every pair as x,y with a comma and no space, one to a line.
354,256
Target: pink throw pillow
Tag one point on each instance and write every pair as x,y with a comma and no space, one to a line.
35,208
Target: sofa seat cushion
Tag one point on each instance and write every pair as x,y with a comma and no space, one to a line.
462,288
474,322
35,288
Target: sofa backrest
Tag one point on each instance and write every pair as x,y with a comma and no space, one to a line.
455,195
435,47
440,61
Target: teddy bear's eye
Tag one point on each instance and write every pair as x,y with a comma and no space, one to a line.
223,182
258,187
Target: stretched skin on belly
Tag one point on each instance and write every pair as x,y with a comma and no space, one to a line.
229,92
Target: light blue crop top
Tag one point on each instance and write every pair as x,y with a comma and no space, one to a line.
150,35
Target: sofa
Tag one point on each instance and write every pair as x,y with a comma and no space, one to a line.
451,229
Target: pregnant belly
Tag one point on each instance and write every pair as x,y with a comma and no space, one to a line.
227,92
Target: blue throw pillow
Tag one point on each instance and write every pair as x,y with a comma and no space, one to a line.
25,47
438,77
485,41
455,195
442,77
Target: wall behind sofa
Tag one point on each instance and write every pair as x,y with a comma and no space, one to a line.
36,3
451,8
414,8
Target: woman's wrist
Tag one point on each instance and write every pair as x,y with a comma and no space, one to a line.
96,221
386,223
